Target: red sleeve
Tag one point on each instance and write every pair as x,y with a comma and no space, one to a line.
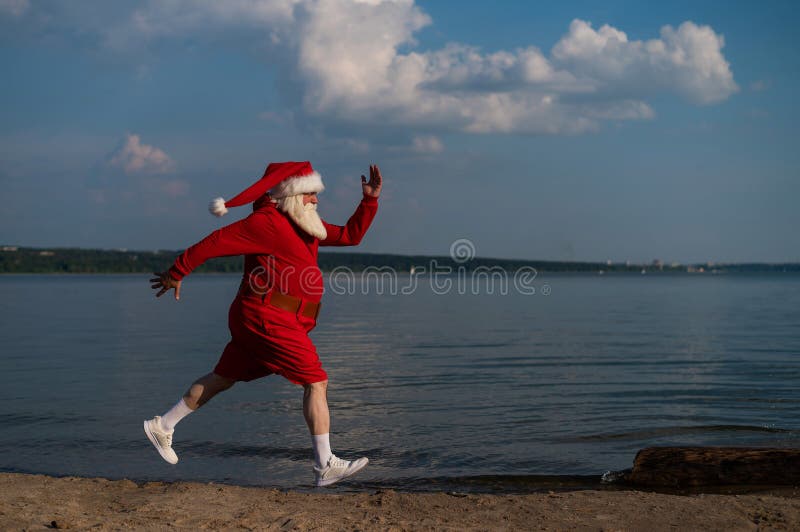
353,231
252,235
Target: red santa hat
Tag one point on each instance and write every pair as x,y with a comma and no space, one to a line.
281,179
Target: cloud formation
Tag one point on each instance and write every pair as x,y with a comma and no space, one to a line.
145,178
355,63
589,76
427,144
135,158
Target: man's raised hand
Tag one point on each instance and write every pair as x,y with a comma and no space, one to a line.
163,283
373,187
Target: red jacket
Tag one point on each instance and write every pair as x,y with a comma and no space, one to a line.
277,252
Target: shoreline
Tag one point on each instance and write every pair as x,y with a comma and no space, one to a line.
39,501
490,485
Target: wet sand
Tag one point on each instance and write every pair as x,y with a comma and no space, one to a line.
37,502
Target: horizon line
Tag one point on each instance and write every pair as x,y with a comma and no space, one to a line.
607,262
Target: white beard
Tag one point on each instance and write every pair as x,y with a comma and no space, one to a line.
305,216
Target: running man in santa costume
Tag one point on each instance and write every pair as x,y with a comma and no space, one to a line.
278,300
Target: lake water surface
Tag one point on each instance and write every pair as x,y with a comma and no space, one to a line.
436,389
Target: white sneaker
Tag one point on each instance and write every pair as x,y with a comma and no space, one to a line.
161,439
338,469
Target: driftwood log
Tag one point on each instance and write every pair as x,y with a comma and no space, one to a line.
714,466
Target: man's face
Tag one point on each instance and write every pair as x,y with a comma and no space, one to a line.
302,209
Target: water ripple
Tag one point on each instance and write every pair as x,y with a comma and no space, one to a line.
676,430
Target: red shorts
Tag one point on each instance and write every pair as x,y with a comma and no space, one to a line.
267,340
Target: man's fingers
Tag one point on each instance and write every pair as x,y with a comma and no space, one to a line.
161,292
177,292
363,179
156,285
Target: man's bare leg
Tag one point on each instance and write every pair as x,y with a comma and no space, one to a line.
315,408
159,429
199,393
318,419
328,468
203,389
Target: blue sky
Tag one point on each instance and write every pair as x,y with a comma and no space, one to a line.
562,130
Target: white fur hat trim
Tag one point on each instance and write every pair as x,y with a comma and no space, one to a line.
291,186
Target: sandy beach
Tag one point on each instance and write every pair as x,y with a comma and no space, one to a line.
31,502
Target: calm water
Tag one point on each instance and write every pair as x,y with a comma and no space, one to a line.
435,389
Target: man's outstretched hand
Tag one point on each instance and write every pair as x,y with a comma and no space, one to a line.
373,187
163,283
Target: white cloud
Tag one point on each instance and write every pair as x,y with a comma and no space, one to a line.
14,7
147,178
137,158
590,76
159,19
427,144
355,63
687,60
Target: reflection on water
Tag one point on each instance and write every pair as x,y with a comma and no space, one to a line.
438,390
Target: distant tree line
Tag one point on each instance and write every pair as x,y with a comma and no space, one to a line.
15,259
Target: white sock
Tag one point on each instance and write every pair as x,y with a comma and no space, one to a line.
322,448
175,414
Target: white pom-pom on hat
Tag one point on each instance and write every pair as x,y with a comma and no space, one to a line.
217,207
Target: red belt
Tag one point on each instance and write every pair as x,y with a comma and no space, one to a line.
284,301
